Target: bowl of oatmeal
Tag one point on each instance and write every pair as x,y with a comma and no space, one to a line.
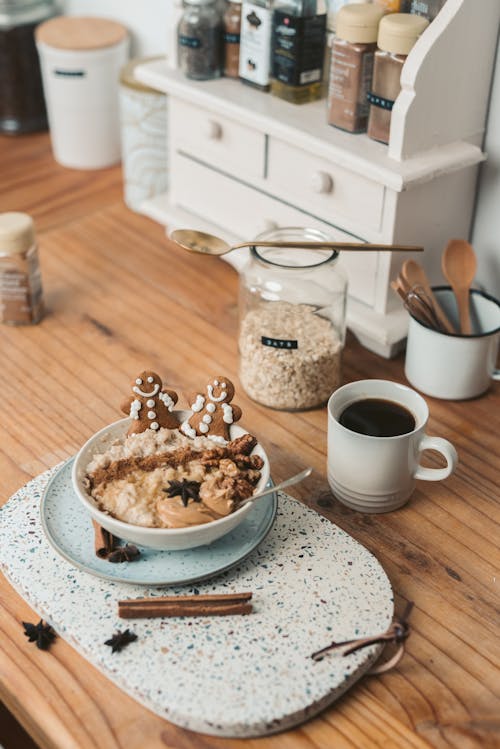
164,490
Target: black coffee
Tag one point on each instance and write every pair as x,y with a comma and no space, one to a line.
377,418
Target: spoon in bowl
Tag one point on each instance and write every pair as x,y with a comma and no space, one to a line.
270,490
208,244
459,264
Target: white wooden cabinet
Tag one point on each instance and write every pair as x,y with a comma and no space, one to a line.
242,161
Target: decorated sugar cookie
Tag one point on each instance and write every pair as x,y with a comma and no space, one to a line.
213,412
150,407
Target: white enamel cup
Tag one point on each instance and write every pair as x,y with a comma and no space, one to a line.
455,367
378,474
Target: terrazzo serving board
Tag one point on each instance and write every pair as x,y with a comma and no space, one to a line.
236,676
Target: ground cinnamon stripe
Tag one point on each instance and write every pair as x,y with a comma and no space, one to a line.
178,610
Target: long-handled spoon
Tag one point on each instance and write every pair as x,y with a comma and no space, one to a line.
289,482
416,305
459,265
208,244
415,275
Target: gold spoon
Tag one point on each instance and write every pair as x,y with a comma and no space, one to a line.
271,489
208,244
415,275
459,265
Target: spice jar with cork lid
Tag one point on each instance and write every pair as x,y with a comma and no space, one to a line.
232,30
351,68
20,281
397,35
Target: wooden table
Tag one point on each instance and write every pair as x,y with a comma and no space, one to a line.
121,298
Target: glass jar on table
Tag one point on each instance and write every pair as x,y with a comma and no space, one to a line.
292,321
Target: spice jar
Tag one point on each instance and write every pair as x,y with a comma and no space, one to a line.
427,8
255,49
351,69
292,322
199,38
20,281
232,29
397,34
393,6
22,105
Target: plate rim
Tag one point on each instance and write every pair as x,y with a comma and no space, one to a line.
149,583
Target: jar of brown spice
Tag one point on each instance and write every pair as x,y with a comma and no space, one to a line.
232,29
21,300
397,35
351,66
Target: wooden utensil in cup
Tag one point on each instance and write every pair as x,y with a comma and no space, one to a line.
459,264
415,275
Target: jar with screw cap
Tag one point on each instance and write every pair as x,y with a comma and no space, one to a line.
20,281
199,38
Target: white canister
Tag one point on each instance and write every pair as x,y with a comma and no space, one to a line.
80,59
143,116
455,367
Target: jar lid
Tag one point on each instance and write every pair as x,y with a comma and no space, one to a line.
127,75
359,23
80,33
17,233
398,32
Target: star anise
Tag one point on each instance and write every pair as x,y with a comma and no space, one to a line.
185,490
120,640
41,633
127,553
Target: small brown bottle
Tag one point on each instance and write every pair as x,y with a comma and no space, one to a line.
397,35
21,300
232,31
351,66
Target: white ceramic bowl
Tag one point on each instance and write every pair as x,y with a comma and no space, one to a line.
168,539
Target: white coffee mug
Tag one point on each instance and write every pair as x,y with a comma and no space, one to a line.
378,474
455,367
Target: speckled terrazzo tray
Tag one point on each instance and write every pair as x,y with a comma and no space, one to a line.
231,676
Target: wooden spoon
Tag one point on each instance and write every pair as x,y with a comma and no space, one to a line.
459,264
415,275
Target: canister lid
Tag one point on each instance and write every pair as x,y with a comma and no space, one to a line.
80,33
17,233
398,32
127,74
359,23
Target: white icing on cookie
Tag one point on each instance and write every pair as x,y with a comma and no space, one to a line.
154,425
211,407
146,395
228,413
150,403
198,404
135,407
203,427
151,379
151,415
188,430
207,419
138,381
166,400
217,438
221,397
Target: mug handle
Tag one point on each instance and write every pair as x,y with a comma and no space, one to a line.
447,451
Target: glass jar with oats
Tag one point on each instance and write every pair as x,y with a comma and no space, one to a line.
292,321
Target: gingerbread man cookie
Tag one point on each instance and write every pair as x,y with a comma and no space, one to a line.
150,407
213,412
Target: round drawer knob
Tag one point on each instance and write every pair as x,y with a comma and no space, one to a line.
321,182
213,130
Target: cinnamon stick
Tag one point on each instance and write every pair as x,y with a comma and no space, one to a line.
221,604
104,541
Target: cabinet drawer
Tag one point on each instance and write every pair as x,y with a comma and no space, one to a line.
322,187
217,140
246,212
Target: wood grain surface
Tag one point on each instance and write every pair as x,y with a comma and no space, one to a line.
121,298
